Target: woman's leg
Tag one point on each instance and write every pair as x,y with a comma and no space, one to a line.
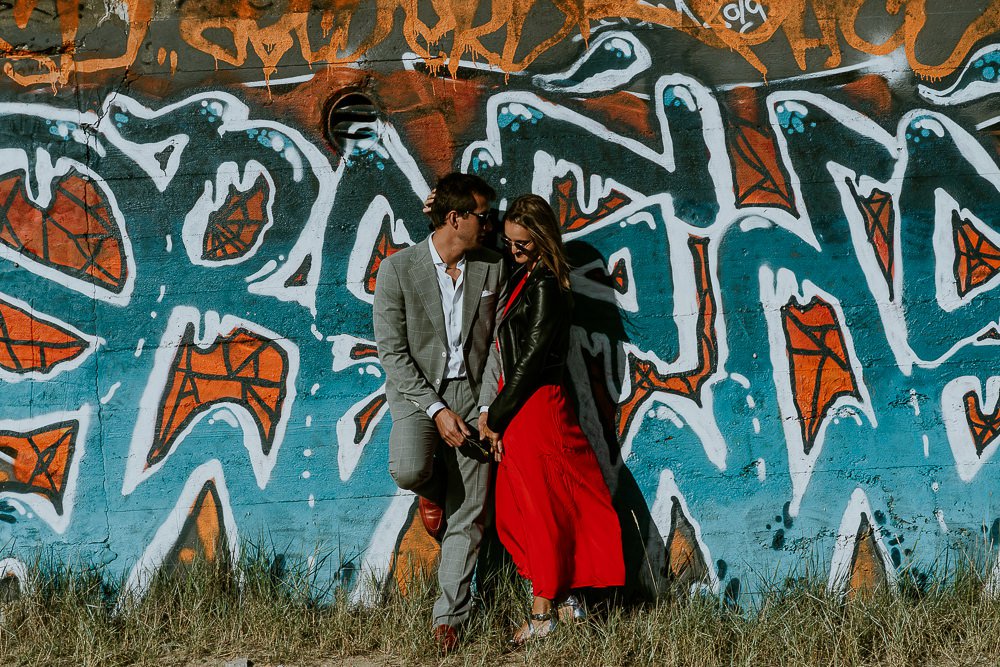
541,605
541,622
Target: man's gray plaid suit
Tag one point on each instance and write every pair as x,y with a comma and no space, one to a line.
411,338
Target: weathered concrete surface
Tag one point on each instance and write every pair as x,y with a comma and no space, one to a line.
783,216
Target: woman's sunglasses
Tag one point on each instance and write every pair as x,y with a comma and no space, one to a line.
523,246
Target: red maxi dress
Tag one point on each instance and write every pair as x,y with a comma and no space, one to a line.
553,508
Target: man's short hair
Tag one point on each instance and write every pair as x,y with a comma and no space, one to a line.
455,192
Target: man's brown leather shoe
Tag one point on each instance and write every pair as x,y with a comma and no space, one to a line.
446,637
432,517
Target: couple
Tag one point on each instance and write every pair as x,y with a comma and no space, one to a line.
459,347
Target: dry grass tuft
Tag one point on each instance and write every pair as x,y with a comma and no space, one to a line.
204,614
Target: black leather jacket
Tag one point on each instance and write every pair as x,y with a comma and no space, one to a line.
534,341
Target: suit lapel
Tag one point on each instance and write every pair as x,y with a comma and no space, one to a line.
425,283
475,278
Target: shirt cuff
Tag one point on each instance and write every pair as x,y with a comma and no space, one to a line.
484,408
435,408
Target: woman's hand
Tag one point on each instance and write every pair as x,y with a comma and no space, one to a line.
429,201
496,442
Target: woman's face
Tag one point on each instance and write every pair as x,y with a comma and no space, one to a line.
519,242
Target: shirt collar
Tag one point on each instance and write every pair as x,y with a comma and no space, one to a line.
436,258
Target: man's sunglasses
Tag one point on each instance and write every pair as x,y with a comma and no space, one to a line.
523,246
483,218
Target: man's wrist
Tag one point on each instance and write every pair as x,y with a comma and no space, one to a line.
435,408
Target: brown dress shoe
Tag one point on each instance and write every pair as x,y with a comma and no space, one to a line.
446,637
432,517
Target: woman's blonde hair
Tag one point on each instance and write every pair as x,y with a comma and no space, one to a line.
534,214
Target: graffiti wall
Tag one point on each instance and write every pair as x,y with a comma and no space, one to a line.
783,222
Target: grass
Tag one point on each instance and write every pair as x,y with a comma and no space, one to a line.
201,615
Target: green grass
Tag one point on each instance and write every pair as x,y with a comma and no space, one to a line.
201,615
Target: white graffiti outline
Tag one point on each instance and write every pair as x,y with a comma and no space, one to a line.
661,514
945,281
41,506
169,531
45,172
93,342
348,451
843,552
378,555
955,94
963,448
595,290
196,221
234,116
606,80
143,436
364,245
776,292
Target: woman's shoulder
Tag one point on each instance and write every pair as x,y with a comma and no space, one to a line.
545,286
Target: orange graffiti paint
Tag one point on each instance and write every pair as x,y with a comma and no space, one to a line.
817,356
75,234
38,462
29,344
242,368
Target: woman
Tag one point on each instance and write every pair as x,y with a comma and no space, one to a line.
553,508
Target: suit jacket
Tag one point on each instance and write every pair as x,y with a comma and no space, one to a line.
409,324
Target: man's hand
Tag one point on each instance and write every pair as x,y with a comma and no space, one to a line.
482,425
452,428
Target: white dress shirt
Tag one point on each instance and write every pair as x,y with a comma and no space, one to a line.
451,304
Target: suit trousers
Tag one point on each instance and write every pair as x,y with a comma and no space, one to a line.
458,479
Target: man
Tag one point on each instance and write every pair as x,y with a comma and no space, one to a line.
436,304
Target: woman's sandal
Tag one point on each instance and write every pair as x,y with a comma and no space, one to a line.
531,631
572,610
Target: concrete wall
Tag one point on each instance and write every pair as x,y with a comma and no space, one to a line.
783,217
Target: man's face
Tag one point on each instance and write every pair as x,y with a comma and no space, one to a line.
473,226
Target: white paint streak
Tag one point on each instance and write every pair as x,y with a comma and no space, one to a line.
939,515
168,533
377,558
111,393
39,504
743,380
91,342
349,449
775,292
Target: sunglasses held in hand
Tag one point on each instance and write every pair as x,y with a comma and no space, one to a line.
477,444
